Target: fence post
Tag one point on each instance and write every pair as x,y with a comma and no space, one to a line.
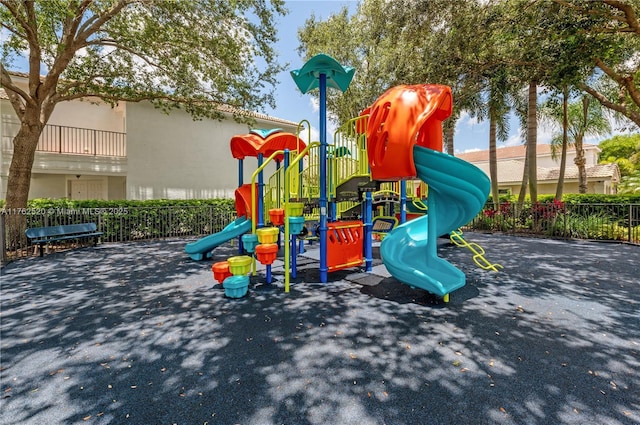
630,223
3,239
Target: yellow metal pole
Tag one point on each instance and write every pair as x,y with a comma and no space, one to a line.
253,202
287,249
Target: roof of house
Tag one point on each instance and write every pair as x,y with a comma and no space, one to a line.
511,171
593,172
510,152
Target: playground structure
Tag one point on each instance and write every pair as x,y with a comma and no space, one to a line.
391,154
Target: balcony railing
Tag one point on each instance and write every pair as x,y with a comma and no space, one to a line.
71,140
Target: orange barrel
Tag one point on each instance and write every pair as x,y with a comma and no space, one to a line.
276,216
221,271
266,253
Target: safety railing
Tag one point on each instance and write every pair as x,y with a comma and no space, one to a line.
613,222
617,222
71,140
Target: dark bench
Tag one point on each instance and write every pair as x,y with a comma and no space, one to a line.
45,235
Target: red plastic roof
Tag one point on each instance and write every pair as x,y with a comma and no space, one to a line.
251,144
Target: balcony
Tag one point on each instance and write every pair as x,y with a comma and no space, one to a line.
58,139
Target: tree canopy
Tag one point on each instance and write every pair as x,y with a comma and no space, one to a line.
199,55
191,53
495,54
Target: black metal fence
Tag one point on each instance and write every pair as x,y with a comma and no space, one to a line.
120,224
615,222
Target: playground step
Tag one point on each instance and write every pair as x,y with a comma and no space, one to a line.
309,204
352,213
350,190
370,186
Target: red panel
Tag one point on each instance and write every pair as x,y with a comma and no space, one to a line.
344,244
281,141
250,145
245,145
243,200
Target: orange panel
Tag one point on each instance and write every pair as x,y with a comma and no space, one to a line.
401,117
344,244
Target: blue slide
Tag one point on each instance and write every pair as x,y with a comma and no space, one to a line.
202,248
457,192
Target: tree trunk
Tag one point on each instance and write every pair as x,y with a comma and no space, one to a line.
565,142
580,160
449,128
523,186
493,160
19,179
532,141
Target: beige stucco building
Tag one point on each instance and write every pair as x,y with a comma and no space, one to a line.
601,178
90,150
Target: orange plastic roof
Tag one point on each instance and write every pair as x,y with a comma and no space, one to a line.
252,144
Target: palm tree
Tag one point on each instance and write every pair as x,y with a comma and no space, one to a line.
584,118
498,105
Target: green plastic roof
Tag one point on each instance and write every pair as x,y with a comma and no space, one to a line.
264,133
307,78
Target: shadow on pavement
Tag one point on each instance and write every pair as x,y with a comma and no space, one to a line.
140,334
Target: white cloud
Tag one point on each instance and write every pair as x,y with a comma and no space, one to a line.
331,122
469,150
545,134
315,104
315,135
513,140
466,120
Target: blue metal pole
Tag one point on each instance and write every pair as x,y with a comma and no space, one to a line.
323,178
285,165
278,182
260,222
294,257
368,227
332,213
240,183
403,201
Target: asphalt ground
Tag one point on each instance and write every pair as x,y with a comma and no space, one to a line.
140,334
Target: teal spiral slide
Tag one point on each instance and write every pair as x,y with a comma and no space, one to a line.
457,192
